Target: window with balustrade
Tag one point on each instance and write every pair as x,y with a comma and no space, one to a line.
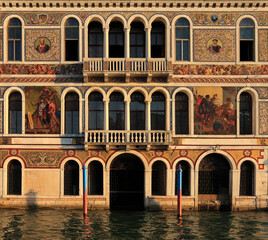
116,40
158,115
158,40
71,113
182,29
247,40
95,40
14,40
116,111
181,113
245,114
137,40
71,40
137,111
95,111
15,112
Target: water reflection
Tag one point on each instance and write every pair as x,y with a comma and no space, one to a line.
70,224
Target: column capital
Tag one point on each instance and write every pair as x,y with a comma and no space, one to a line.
127,29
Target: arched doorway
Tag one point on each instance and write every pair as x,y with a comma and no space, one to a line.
213,182
71,178
14,178
127,183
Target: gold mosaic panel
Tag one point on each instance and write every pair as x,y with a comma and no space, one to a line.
52,40
203,41
1,45
263,117
263,45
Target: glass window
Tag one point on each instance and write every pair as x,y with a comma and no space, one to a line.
116,40
71,113
14,40
245,113
137,40
182,40
95,40
137,111
181,113
116,112
15,113
96,114
247,40
158,40
72,40
158,118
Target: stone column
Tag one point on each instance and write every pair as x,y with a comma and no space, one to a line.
148,42
106,115
127,30
105,42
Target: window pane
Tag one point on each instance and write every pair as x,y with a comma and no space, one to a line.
11,50
186,51
18,50
247,22
178,50
182,22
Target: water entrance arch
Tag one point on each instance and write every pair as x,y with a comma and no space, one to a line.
126,183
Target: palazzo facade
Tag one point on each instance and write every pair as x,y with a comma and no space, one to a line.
132,90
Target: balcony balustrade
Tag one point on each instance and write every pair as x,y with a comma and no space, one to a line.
122,137
127,67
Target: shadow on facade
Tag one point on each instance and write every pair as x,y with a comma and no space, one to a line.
31,200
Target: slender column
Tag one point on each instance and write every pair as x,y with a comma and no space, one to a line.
148,116
127,30
127,118
106,43
148,42
168,42
106,115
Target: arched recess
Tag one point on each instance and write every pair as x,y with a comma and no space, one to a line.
173,34
6,108
188,92
116,17
80,178
238,22
5,174
247,177
138,18
190,177
255,110
93,18
167,105
63,22
89,91
67,90
5,37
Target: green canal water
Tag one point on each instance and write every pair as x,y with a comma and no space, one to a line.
106,225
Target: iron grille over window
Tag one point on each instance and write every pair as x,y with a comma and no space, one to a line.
181,113
158,40
15,113
137,111
247,39
14,178
95,111
14,40
72,113
137,40
245,113
95,40
182,40
72,40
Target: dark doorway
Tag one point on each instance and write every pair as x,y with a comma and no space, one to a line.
14,178
95,177
127,183
247,179
71,178
185,166
159,178
214,177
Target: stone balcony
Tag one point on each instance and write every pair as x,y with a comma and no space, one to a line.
129,139
127,68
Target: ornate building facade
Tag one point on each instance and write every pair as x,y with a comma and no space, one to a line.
131,90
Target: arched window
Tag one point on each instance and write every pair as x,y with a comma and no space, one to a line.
95,173
245,113
71,178
137,111
95,40
247,179
116,40
72,40
185,178
158,118
71,113
15,113
95,111
137,40
158,40
14,178
247,40
181,113
116,111
182,40
159,178
14,40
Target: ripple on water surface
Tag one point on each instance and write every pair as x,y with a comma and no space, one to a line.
70,224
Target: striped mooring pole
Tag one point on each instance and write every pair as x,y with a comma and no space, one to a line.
179,180
85,190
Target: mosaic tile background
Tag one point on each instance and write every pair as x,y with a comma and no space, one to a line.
263,109
53,54
201,52
263,45
1,44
